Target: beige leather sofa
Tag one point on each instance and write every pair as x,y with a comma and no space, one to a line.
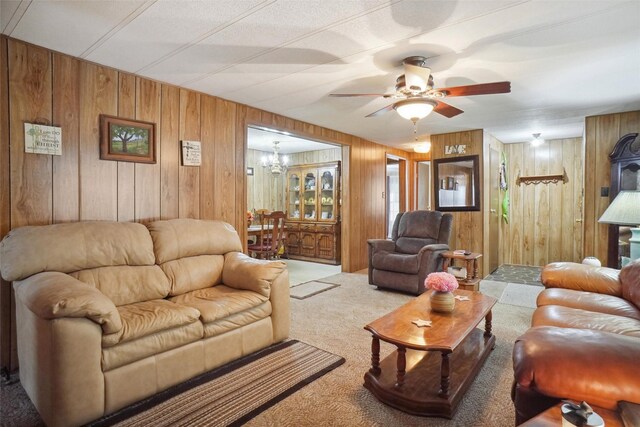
110,313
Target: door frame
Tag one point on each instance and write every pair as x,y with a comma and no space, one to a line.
345,206
403,171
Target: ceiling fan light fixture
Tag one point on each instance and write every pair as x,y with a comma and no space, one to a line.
422,148
415,109
537,141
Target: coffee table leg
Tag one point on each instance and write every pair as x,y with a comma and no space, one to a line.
402,365
487,324
444,376
375,356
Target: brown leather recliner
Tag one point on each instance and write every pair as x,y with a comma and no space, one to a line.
584,343
417,240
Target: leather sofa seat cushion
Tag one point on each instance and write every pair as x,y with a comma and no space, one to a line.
197,272
589,301
566,317
127,284
412,245
401,263
223,308
182,238
219,302
630,280
149,317
150,345
72,247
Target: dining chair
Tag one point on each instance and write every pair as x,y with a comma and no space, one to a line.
271,238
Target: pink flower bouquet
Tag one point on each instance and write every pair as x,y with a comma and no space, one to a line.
442,282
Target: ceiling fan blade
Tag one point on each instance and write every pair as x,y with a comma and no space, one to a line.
447,110
381,111
479,89
416,77
344,95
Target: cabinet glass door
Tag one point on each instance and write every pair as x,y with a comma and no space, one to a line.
309,195
294,208
328,200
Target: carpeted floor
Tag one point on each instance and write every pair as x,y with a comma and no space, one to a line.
334,321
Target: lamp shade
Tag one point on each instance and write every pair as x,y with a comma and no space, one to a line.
415,109
624,210
424,147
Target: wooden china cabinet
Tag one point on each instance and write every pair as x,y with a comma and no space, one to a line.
313,212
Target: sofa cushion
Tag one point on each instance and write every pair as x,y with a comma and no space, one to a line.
181,238
589,301
146,318
74,246
223,308
149,345
566,317
391,261
127,284
581,277
197,272
630,281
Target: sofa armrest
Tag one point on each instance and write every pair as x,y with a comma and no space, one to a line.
598,367
581,277
240,271
52,295
381,245
430,249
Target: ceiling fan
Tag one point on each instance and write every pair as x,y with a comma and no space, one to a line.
417,98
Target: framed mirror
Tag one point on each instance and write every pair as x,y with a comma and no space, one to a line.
456,186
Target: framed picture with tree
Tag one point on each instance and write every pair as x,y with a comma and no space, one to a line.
127,140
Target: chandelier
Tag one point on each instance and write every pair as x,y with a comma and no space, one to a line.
274,163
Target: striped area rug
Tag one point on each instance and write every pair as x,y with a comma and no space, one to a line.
233,394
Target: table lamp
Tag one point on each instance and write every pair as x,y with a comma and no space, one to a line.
625,210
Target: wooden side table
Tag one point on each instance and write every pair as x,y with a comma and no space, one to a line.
472,281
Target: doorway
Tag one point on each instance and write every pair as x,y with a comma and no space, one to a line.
423,185
395,191
494,209
302,178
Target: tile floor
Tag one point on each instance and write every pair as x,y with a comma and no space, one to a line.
303,271
524,274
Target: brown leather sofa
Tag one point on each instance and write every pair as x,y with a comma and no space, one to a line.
109,313
584,343
417,240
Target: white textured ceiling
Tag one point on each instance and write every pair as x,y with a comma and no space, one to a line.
566,59
262,139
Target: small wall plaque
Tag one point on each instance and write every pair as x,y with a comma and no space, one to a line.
191,154
41,139
455,149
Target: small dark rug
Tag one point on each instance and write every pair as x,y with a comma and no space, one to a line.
511,273
233,394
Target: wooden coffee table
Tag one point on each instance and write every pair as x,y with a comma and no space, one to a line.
433,366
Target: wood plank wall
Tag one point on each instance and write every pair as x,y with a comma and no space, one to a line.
601,135
37,84
468,227
544,219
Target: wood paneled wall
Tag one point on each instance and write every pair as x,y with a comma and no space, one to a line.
37,84
601,135
467,226
264,191
544,219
